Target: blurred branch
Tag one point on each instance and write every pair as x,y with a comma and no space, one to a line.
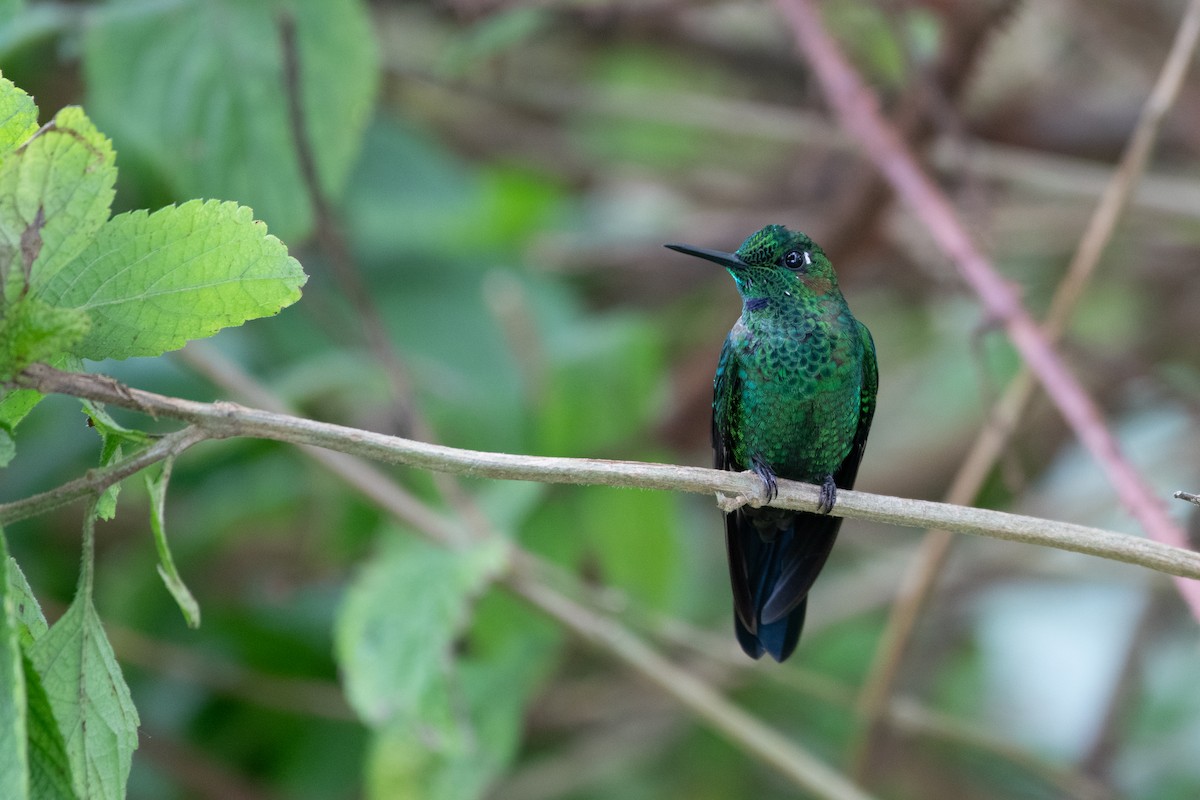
222,420
767,744
525,580
926,103
858,110
304,696
931,558
1043,171
332,240
907,715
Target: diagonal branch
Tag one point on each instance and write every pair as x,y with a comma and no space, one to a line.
934,551
858,110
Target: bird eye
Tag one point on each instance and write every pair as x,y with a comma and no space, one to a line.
796,259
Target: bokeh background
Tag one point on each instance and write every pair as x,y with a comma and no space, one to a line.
497,179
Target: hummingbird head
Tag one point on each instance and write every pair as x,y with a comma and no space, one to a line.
773,261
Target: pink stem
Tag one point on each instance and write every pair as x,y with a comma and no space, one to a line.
858,111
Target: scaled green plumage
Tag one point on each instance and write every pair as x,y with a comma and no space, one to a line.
793,398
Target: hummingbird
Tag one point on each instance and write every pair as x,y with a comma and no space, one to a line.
793,398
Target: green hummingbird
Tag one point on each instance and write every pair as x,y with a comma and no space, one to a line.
793,398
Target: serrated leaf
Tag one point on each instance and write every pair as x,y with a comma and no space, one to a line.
213,121
55,194
14,742
398,622
151,282
89,699
34,331
166,564
29,611
18,116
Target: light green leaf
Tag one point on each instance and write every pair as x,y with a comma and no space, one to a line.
55,193
29,611
113,437
34,331
166,564
14,405
398,623
151,282
18,116
213,121
89,699
14,740
109,428
492,685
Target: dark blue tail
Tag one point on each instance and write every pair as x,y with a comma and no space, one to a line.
774,558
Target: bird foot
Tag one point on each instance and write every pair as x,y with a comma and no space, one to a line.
763,470
767,490
828,495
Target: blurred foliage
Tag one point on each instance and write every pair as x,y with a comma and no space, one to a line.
504,175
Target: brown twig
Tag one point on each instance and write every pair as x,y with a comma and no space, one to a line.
858,111
918,584
332,240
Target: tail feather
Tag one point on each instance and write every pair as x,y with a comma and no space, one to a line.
771,576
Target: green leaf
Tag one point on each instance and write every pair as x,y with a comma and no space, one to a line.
151,282
113,436
213,121
14,405
606,385
108,428
509,655
14,742
90,701
34,331
166,564
29,611
55,193
398,623
18,116
632,535
49,766
33,758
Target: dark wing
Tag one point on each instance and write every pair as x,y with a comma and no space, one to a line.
727,402
848,471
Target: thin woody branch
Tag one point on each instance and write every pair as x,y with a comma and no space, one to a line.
223,420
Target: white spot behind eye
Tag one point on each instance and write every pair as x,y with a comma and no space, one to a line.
807,257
